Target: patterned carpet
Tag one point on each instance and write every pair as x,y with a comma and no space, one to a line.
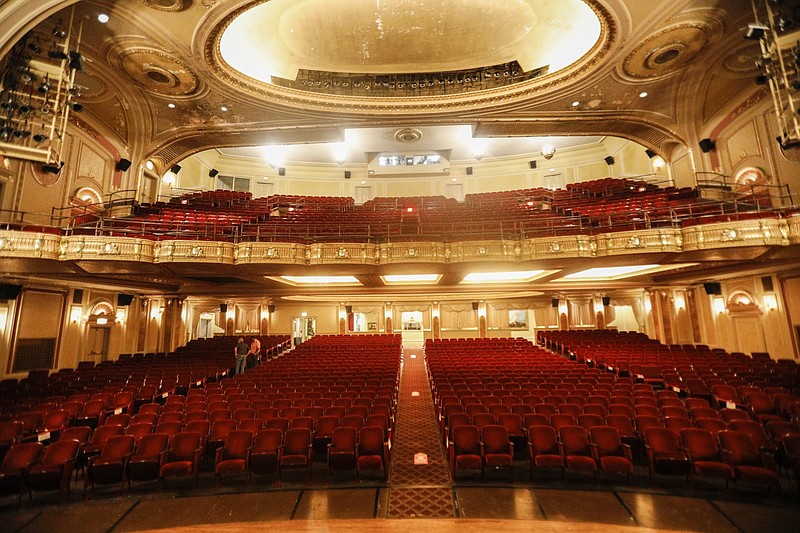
418,491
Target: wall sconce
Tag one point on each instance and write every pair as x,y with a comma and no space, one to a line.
3,319
648,306
121,316
482,311
598,306
680,302
719,305
435,312
303,314
75,314
770,302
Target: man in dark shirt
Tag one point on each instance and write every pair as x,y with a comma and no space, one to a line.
241,350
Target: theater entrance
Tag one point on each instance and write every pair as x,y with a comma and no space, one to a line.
303,328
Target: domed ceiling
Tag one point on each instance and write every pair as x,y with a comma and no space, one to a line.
401,48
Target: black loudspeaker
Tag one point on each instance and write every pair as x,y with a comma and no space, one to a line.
124,299
606,301
469,171
712,288
9,292
223,308
271,308
348,309
281,171
651,154
175,169
77,296
475,306
532,164
347,174
766,283
213,173
123,165
554,302
609,160
706,145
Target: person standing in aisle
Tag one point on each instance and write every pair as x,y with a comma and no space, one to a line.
241,351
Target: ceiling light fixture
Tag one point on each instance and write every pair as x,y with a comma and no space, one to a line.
548,151
102,18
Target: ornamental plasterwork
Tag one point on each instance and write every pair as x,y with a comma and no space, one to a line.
106,248
29,244
400,105
165,5
668,51
756,232
652,240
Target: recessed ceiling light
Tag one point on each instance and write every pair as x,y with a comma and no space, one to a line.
223,108
319,280
171,105
619,272
501,277
411,278
576,103
643,94
150,165
102,18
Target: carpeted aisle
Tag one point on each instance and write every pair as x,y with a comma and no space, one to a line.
417,490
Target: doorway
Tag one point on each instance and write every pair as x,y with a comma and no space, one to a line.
98,342
412,332
303,328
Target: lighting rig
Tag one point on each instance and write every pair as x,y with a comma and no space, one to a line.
777,29
37,93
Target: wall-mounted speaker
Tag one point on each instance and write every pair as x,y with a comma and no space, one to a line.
554,302
651,154
271,308
348,309
123,165
347,174
213,173
469,171
706,145
713,288
124,299
281,171
77,296
9,291
175,169
609,160
223,308
606,301
532,164
475,306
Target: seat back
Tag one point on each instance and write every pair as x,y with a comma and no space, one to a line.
296,441
370,441
118,447
237,444
268,440
184,446
700,444
152,445
495,439
344,438
21,456
739,448
575,441
466,440
607,441
543,440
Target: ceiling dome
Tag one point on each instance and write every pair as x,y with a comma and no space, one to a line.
397,48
